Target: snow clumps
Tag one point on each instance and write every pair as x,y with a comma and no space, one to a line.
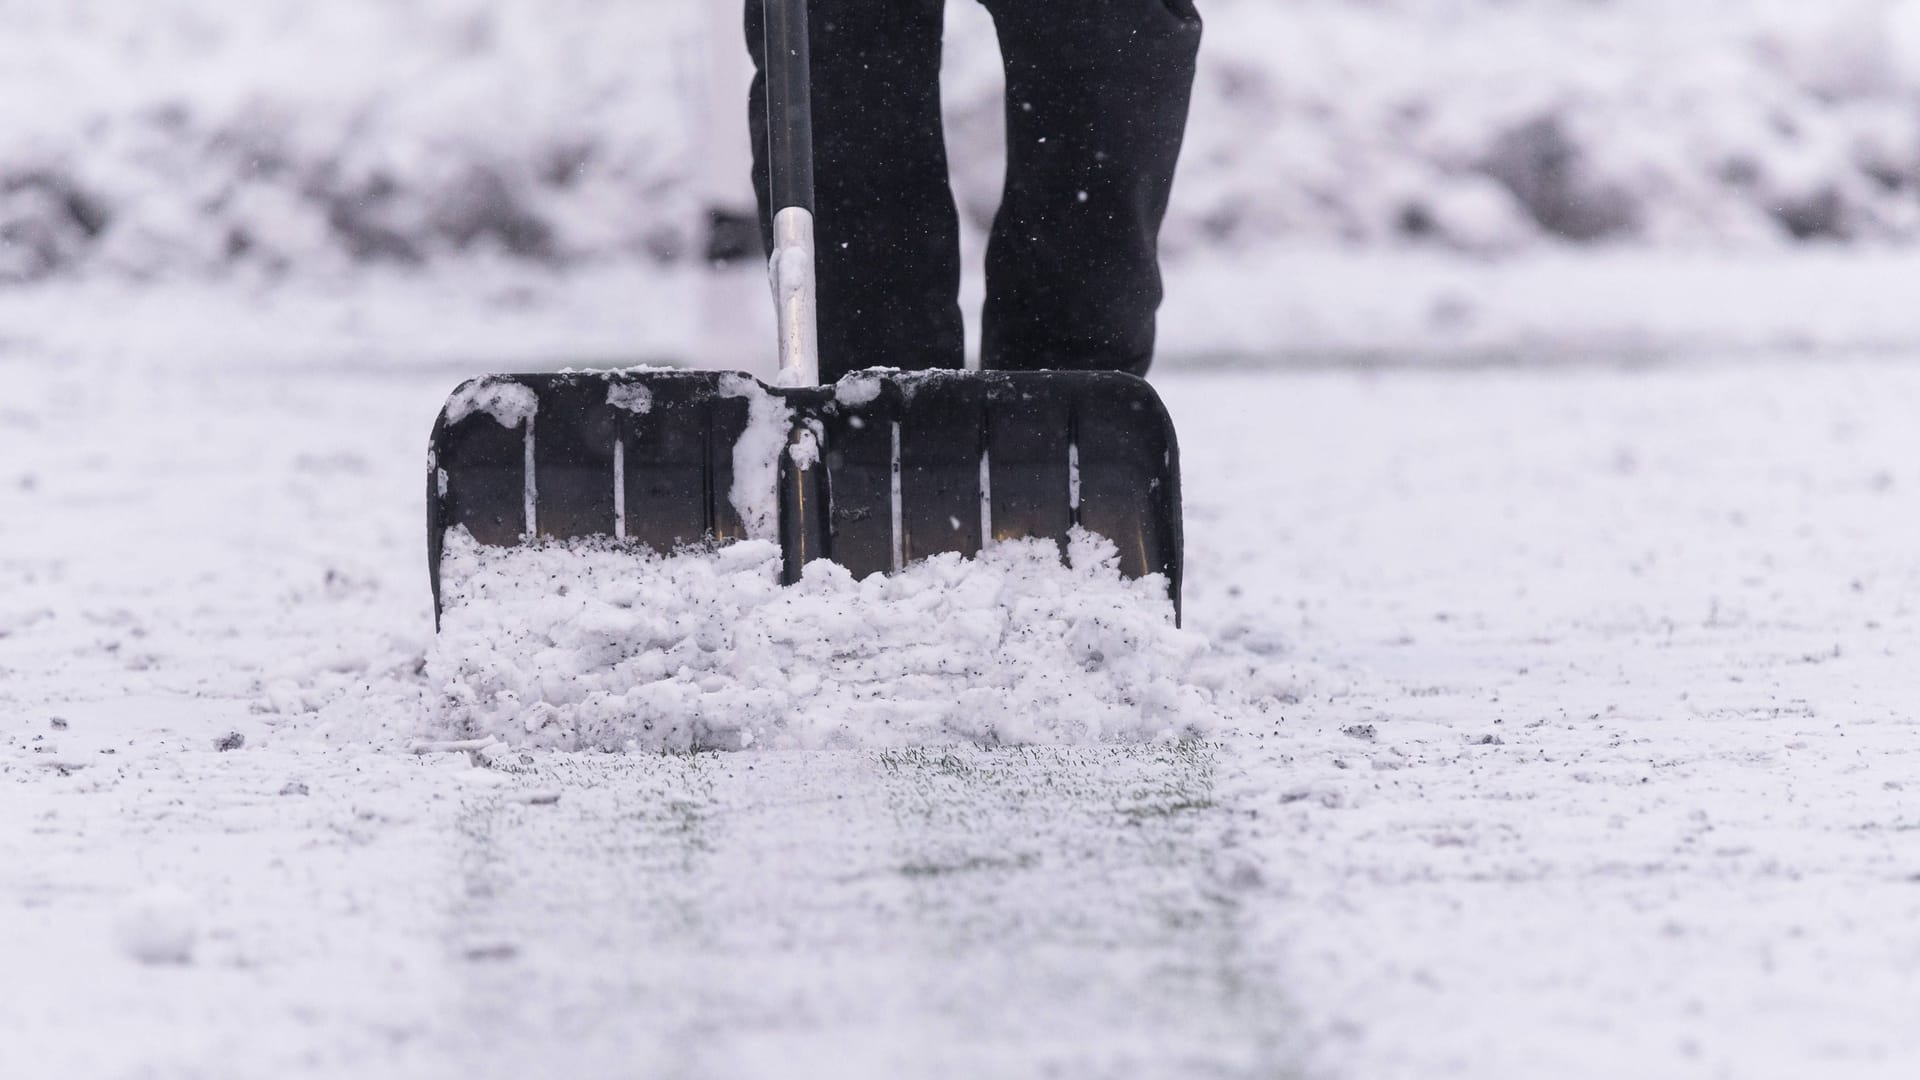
508,402
159,925
599,644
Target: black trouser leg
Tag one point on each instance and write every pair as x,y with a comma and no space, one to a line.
1097,94
887,232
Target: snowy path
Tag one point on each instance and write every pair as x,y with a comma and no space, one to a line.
907,913
1605,765
840,914
1623,781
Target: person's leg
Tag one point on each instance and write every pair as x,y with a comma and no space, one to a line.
886,230
1097,94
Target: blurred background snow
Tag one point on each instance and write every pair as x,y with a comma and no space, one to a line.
281,137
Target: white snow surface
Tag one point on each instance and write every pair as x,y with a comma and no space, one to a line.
1591,750
602,645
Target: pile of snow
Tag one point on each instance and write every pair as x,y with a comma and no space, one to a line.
1489,125
196,135
158,925
599,644
199,136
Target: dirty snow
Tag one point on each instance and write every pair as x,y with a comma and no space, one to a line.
633,397
603,645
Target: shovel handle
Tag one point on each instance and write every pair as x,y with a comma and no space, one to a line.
790,161
789,105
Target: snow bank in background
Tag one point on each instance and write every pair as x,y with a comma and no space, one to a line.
190,135
194,135
1488,124
594,644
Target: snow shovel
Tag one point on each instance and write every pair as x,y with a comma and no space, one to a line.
876,471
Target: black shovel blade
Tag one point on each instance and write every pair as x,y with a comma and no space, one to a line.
903,465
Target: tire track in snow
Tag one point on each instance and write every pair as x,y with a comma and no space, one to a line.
948,912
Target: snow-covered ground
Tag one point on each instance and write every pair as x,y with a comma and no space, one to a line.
1546,377
1592,750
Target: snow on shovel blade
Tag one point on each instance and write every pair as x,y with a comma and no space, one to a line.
911,464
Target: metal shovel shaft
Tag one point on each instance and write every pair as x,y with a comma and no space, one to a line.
790,155
805,525
789,105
